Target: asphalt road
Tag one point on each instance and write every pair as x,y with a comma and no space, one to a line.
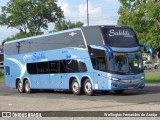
135,100
147,99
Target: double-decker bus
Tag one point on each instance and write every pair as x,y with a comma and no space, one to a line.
86,59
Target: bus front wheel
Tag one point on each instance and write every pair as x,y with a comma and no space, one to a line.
75,87
88,88
27,87
20,86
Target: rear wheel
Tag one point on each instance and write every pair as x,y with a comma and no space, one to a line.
20,87
27,87
88,88
75,87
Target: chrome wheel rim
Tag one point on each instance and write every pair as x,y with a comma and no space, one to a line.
20,86
75,87
27,87
88,87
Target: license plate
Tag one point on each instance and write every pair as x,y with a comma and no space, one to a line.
130,87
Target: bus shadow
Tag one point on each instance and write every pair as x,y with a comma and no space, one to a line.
152,89
146,90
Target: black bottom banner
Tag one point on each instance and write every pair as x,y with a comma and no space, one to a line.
79,113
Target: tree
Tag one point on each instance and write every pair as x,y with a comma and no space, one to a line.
64,25
30,15
144,17
17,36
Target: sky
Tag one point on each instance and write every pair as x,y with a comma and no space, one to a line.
101,12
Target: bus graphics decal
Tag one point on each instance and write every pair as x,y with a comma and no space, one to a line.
69,55
38,56
20,65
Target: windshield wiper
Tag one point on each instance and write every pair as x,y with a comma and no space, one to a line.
118,72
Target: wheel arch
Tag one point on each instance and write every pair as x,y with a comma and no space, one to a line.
71,79
17,82
24,80
87,77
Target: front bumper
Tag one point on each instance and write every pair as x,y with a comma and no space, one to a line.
117,85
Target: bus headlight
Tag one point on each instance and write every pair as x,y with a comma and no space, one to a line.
112,78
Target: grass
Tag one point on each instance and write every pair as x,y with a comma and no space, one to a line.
152,77
1,75
1,79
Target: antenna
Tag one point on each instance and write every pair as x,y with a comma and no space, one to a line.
87,15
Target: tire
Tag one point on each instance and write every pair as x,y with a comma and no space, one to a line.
27,87
118,91
156,67
76,90
145,67
88,90
20,87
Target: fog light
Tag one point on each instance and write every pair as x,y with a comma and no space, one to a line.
114,85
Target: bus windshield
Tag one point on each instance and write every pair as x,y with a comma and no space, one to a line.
126,63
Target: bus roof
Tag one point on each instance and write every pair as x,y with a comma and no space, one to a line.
43,35
113,36
64,31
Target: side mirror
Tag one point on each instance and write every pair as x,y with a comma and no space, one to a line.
109,50
149,48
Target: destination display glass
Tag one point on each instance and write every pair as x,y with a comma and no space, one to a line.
119,37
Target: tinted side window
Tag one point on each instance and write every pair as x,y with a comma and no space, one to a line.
83,67
42,68
94,62
72,66
43,43
32,68
99,63
53,65
62,66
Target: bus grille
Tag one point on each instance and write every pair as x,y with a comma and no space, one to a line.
130,81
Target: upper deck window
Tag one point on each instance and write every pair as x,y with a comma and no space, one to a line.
46,42
119,37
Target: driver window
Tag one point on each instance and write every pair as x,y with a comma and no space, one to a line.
101,63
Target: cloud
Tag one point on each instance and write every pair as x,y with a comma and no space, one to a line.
77,12
96,16
67,11
110,0
92,9
5,32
